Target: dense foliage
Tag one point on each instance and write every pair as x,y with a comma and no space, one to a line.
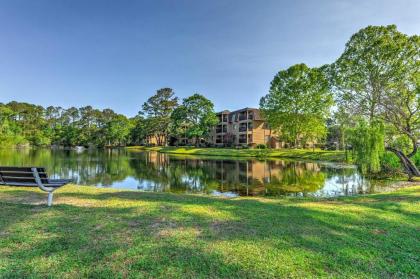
195,117
298,104
368,146
23,123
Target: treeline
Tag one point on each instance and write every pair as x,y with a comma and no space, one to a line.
23,124
367,102
162,117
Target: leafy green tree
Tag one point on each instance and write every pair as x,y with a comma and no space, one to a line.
69,130
196,115
159,108
88,124
298,104
376,78
139,131
117,130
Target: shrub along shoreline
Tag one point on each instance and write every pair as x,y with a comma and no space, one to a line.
306,154
108,233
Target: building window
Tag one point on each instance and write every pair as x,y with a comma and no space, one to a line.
242,116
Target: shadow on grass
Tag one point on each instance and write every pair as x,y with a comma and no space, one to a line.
169,235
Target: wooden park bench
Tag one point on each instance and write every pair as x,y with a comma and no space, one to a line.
31,177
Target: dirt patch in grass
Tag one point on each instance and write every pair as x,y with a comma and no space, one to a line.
30,198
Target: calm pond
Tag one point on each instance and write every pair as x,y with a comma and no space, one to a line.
158,172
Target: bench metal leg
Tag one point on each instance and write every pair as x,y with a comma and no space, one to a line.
50,198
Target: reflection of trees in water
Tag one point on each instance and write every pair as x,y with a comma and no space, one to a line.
352,183
295,177
160,172
92,167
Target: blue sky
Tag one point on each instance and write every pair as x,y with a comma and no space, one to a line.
118,53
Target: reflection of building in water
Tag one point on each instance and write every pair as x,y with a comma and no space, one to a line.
246,177
157,159
252,177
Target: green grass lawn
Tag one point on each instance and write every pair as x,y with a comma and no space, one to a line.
105,233
307,154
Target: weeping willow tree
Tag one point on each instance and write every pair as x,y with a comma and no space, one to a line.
368,146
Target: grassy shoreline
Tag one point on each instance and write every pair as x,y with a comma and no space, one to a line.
306,154
106,233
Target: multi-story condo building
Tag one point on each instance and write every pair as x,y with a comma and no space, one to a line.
242,127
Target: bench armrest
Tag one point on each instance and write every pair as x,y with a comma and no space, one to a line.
39,182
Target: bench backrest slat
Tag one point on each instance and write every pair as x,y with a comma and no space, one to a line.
21,169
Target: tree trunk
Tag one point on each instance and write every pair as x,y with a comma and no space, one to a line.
414,141
197,141
342,140
408,165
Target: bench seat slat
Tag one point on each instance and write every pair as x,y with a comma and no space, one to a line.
15,171
59,180
22,179
21,173
28,184
48,183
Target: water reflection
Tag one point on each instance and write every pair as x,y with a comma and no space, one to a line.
152,171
